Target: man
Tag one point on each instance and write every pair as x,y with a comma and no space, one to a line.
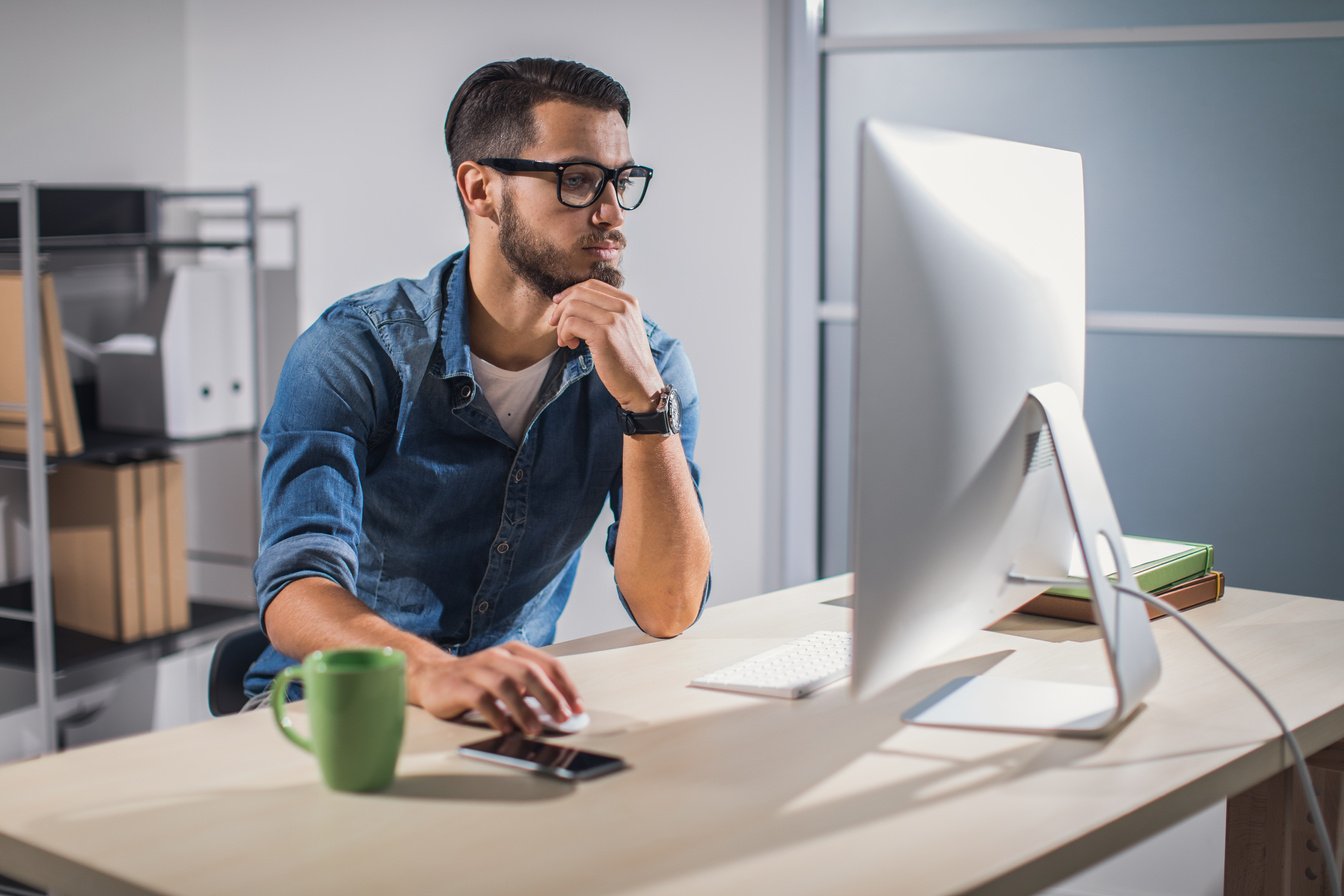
439,449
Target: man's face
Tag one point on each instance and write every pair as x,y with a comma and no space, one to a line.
549,245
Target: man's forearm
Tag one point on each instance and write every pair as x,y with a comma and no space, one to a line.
317,614
662,549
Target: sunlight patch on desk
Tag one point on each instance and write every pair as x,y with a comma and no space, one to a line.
855,780
917,766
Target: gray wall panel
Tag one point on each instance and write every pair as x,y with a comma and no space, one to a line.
1229,441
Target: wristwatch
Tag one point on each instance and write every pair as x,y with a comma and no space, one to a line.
663,420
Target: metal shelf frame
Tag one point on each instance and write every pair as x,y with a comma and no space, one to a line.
37,465
44,647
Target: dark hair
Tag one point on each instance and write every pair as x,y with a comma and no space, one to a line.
491,115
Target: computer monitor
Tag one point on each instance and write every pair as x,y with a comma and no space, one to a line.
973,469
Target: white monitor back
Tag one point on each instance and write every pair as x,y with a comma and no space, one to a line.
971,292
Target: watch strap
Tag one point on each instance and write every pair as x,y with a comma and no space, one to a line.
663,420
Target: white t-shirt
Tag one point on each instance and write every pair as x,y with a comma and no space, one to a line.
512,394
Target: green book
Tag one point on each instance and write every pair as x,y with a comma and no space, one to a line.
1156,562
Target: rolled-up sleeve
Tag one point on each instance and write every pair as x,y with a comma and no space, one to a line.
333,390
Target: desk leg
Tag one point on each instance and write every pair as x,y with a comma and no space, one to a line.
1271,844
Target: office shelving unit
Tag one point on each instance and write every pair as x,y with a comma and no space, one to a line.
40,613
56,651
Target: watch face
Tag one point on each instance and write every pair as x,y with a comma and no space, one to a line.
673,411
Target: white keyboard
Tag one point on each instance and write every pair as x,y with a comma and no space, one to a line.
792,670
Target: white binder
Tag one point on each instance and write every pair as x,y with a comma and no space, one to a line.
188,372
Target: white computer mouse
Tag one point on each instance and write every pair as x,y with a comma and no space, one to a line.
573,725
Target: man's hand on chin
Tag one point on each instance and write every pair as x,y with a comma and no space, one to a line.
610,321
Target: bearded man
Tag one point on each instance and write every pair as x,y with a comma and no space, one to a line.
439,449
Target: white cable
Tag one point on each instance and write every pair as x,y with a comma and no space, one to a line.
1299,761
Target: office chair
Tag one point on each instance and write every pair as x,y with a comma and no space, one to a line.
234,654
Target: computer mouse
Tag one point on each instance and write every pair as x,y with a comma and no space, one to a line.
573,725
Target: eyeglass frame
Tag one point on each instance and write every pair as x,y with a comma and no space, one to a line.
609,175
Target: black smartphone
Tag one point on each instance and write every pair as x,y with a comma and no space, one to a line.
543,758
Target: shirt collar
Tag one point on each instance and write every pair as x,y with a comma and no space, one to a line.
451,278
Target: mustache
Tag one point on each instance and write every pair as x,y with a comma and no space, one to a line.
614,237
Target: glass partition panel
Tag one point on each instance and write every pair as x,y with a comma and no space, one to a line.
1212,170
1213,187
851,18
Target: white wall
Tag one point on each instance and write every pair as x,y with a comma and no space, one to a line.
93,92
337,108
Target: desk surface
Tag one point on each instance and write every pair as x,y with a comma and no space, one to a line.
727,794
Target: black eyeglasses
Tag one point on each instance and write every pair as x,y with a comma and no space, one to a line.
578,184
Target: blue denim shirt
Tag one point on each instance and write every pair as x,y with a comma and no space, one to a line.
388,473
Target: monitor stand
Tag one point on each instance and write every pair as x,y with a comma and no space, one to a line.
1048,707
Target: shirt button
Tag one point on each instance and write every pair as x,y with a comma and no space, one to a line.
517,475
465,392
483,606
502,547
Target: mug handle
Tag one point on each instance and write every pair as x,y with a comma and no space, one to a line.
279,690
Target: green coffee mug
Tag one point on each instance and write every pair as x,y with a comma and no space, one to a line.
356,699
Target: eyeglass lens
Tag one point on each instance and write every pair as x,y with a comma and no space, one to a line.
580,184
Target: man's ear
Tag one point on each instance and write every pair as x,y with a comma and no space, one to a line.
474,184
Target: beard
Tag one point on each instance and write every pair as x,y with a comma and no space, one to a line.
544,266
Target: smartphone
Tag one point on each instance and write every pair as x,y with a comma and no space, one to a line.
543,758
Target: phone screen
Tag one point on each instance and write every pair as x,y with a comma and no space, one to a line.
546,758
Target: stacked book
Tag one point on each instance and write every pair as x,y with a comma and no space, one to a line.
1179,572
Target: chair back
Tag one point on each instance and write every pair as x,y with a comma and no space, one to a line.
234,655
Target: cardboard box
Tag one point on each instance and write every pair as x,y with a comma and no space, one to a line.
95,560
60,418
149,545
175,545
118,548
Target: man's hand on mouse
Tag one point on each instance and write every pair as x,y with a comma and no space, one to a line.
610,321
449,686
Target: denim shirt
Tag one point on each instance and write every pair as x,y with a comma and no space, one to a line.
388,474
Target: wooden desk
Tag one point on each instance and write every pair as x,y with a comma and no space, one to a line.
728,794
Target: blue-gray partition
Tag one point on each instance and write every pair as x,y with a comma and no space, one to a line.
1213,147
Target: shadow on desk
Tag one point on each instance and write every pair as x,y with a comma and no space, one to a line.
484,788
